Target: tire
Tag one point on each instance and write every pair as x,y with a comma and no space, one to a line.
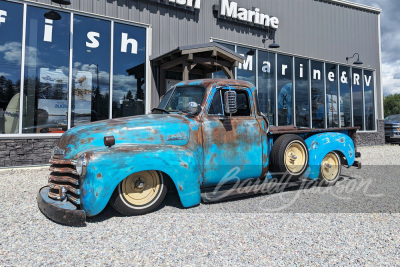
139,193
289,155
330,169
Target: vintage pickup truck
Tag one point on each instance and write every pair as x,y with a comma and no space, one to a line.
201,131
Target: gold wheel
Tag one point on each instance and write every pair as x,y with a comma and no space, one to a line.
295,157
330,167
140,189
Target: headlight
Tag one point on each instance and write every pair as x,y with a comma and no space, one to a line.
80,165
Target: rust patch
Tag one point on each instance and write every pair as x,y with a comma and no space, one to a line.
183,164
99,176
180,188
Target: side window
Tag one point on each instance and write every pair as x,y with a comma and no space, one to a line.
243,104
216,105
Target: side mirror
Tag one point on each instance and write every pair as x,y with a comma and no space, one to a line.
193,108
230,104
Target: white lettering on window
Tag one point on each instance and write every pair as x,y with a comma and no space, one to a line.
301,71
267,67
367,80
343,79
356,79
331,76
284,68
317,75
3,15
94,43
229,9
248,63
124,44
48,31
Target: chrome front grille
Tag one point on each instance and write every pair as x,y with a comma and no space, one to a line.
64,181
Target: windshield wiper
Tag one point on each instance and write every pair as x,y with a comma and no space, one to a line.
161,109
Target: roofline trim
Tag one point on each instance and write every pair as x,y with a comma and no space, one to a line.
356,5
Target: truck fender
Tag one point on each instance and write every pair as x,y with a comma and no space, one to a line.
321,144
106,170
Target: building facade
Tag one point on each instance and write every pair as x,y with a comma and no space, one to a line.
63,66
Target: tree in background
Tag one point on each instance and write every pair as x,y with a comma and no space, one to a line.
391,104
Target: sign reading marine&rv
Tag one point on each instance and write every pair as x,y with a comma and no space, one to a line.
255,17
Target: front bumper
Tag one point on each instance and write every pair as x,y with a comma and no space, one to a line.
58,211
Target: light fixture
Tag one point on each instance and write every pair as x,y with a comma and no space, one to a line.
62,2
357,62
53,15
273,45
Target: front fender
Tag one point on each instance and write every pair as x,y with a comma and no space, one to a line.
107,168
321,144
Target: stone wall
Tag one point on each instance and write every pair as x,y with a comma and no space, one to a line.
23,152
372,139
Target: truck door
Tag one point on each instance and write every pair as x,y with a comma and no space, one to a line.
232,145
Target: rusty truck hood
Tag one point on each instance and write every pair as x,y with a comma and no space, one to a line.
155,129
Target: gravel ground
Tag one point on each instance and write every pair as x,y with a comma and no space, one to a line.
318,228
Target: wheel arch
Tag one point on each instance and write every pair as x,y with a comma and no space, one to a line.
181,169
321,144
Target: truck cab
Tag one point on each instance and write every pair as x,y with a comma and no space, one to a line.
204,134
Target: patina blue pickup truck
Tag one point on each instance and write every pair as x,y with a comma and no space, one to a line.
203,133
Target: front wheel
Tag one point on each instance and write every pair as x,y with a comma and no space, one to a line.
330,169
139,193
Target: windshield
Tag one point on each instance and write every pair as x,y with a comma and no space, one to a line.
181,97
393,118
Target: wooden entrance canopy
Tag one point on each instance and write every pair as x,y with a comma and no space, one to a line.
202,59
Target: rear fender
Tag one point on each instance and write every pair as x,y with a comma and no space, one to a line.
321,144
106,169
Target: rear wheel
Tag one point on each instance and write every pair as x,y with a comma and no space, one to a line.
139,193
289,154
330,169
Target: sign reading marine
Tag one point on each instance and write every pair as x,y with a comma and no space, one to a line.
231,10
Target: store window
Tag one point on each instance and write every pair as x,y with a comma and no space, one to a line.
221,74
267,85
10,66
345,96
129,81
332,95
46,72
317,94
369,85
302,86
358,107
91,70
285,93
247,70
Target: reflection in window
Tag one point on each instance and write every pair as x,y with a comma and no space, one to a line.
345,97
91,70
302,93
357,98
46,73
285,104
216,105
332,95
369,100
266,85
221,74
10,66
129,70
247,70
317,95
